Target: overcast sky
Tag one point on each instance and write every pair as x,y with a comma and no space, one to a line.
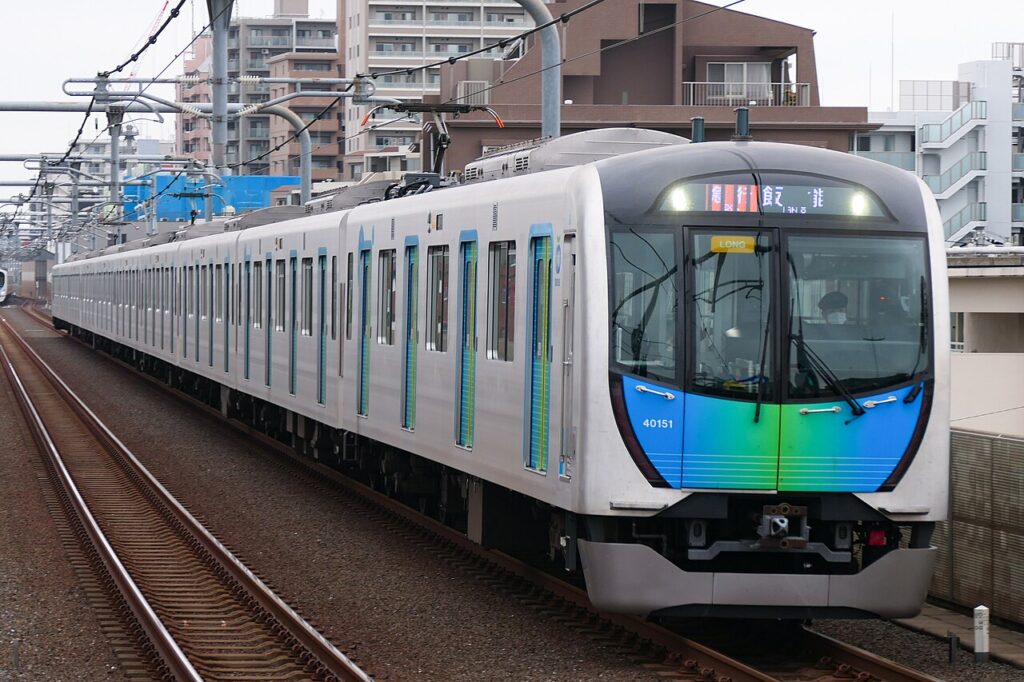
47,41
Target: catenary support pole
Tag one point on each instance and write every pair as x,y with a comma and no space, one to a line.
220,17
551,63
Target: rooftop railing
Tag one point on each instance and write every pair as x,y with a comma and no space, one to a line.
940,132
712,94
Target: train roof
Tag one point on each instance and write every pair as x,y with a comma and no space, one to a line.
631,184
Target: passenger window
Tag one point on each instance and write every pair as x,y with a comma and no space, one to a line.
257,295
279,312
437,298
307,296
386,327
502,304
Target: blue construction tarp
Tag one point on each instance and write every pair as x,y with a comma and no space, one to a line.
178,197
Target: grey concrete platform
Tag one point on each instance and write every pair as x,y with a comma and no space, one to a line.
1005,645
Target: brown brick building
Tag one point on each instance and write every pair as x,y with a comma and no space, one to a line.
655,65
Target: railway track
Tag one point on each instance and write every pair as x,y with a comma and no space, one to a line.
799,654
195,611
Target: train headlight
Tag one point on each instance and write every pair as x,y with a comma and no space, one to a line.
859,204
678,200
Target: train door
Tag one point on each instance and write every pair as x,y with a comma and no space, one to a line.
363,408
539,349
321,316
412,280
731,425
247,319
568,427
467,342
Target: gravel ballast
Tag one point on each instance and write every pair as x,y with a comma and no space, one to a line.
47,629
401,613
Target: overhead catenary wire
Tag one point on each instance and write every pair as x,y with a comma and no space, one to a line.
560,19
149,42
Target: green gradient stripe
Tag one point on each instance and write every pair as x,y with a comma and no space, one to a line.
540,354
411,323
467,380
723,447
364,338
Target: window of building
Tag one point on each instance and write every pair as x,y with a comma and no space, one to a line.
312,66
307,296
742,80
437,298
502,304
956,332
280,309
386,298
863,143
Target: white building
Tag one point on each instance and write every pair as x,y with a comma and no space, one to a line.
964,138
385,35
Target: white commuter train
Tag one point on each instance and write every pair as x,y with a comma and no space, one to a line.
4,286
622,363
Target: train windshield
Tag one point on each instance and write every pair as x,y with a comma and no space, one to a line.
645,301
858,313
731,301
3,278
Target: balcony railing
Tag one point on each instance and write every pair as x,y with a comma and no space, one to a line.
969,213
1018,162
1017,213
975,161
904,160
314,42
1018,111
259,132
269,41
396,53
940,132
232,65
707,94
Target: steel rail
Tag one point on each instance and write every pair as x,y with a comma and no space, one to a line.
165,645
326,654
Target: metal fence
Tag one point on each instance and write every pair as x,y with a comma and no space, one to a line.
981,547
735,94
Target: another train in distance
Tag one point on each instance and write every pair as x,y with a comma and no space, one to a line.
5,286
712,376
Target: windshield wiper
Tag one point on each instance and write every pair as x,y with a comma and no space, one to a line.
760,368
820,367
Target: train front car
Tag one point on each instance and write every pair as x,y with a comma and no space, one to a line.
778,373
4,286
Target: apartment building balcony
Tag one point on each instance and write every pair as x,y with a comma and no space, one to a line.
269,41
258,132
517,23
956,125
951,180
716,94
1018,164
969,217
1017,213
1018,111
318,43
905,160
397,54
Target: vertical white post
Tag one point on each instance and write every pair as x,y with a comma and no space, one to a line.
981,634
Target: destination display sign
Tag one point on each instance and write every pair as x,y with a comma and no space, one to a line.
789,199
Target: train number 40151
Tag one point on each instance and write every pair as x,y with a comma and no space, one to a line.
658,423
